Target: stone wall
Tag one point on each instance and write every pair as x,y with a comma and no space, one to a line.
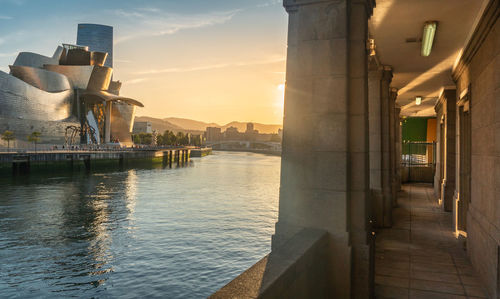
478,75
298,270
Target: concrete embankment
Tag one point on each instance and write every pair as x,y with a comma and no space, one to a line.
256,151
19,163
201,152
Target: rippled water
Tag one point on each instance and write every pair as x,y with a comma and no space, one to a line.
171,233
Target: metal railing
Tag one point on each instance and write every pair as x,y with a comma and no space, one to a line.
418,161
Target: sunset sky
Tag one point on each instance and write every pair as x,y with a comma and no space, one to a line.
209,60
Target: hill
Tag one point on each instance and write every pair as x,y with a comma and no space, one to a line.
190,124
158,124
193,126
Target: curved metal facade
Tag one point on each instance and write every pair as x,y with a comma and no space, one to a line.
41,79
34,60
47,94
21,100
98,38
122,121
78,75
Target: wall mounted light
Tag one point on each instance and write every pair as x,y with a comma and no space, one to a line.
371,46
418,100
428,37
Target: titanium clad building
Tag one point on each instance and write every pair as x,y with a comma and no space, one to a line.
99,38
69,97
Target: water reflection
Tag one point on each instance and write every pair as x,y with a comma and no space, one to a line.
137,233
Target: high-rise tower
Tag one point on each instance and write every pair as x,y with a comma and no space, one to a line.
98,38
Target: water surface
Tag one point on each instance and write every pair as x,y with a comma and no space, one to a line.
170,233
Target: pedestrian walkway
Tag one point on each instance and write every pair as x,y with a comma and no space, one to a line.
419,257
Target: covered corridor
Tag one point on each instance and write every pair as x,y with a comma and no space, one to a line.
356,69
419,257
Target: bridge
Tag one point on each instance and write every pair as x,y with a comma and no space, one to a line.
244,144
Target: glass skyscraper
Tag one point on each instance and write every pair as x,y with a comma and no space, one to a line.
98,38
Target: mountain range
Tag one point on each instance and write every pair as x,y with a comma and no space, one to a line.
193,126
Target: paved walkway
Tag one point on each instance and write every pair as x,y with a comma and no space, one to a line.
419,257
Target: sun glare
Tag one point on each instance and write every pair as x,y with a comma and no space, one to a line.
279,101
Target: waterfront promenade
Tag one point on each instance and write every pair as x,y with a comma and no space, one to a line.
86,159
420,257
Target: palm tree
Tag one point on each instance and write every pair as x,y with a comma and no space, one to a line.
34,137
8,136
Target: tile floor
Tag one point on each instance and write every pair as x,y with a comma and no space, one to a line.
419,257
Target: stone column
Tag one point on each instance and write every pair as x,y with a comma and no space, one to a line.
398,148
325,170
107,122
392,144
448,101
375,127
386,145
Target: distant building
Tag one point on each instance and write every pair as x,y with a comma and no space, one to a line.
213,134
232,133
142,127
250,133
250,127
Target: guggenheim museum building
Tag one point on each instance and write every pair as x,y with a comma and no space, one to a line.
71,97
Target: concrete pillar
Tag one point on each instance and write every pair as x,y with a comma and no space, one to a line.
107,122
446,113
398,147
392,143
386,145
374,119
325,165
379,80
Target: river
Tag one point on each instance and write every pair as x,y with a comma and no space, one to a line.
169,233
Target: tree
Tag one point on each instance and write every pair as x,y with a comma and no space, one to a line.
146,138
34,137
160,140
136,138
8,136
180,138
169,138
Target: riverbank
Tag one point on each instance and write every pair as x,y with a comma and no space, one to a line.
201,152
249,150
23,163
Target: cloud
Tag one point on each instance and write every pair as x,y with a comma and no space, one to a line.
135,81
5,17
155,22
8,54
211,67
270,3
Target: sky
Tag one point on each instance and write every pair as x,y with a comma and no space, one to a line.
209,60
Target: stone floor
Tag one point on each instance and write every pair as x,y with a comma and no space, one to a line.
419,257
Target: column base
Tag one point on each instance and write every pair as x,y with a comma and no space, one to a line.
381,213
351,268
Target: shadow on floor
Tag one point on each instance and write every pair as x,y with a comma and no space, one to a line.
419,257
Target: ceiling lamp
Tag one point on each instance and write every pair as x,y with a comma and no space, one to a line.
428,37
418,100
